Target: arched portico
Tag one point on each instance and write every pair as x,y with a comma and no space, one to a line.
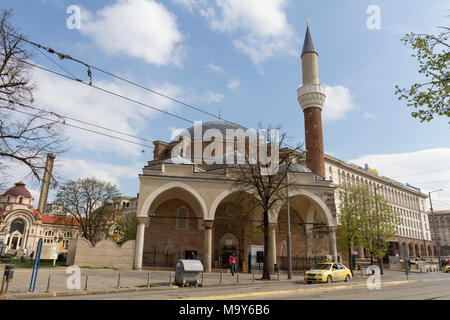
313,228
163,207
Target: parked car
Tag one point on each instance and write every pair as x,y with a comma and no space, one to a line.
328,272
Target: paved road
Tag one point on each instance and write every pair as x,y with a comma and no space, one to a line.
419,286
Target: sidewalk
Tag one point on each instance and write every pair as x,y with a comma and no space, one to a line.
107,281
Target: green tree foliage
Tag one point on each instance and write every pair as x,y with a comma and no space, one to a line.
365,219
431,96
128,225
88,202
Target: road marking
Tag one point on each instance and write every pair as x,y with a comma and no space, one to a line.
280,292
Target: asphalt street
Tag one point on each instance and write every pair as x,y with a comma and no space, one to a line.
417,287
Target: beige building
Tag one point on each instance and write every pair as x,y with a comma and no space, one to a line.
21,226
407,201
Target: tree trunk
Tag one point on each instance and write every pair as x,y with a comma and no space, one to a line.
267,267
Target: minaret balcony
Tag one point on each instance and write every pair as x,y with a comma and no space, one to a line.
312,96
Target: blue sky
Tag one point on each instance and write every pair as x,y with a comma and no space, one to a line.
242,58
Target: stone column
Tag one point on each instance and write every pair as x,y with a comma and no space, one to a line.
361,253
139,250
207,252
272,250
332,241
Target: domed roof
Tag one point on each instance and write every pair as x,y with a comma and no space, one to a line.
18,190
220,125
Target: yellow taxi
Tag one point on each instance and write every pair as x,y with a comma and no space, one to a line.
328,272
447,268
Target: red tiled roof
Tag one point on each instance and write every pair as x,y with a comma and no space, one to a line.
46,219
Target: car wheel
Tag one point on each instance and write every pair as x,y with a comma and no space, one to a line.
308,282
347,278
329,279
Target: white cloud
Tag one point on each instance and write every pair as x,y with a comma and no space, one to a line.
71,168
369,116
421,169
259,28
215,68
138,28
88,104
234,84
211,97
338,103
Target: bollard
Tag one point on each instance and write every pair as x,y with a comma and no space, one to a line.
48,284
148,280
253,277
86,284
118,282
278,274
221,278
237,278
3,286
170,279
202,279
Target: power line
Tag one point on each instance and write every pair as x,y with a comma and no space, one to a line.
74,119
81,128
420,173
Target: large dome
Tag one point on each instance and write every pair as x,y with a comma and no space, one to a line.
222,126
18,190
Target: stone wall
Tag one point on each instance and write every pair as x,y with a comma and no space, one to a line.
105,253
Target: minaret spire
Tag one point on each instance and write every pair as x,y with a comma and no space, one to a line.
308,45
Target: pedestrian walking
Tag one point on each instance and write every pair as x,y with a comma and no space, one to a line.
233,263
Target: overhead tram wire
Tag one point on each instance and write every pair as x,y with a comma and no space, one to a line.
82,128
63,56
63,117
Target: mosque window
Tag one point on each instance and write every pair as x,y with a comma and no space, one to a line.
20,200
182,221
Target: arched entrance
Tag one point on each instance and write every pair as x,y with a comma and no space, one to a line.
15,237
228,244
175,228
411,250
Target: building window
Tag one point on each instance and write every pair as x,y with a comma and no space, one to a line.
65,243
67,234
182,221
49,233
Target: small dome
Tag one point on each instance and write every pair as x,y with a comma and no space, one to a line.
18,190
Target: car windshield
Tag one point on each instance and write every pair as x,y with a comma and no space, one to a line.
322,266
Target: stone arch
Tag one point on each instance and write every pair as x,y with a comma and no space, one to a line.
219,199
172,185
318,201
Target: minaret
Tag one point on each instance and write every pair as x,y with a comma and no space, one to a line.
311,96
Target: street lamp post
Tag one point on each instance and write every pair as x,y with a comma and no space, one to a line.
376,208
438,249
288,236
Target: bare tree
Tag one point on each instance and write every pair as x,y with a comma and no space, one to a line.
25,136
267,186
88,201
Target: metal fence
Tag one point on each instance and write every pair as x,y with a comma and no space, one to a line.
166,259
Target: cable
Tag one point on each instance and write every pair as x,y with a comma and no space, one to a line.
420,173
73,119
81,128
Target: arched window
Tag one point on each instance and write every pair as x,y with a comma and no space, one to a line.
17,225
49,233
67,234
182,221
20,200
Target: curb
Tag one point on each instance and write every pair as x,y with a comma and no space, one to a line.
83,293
